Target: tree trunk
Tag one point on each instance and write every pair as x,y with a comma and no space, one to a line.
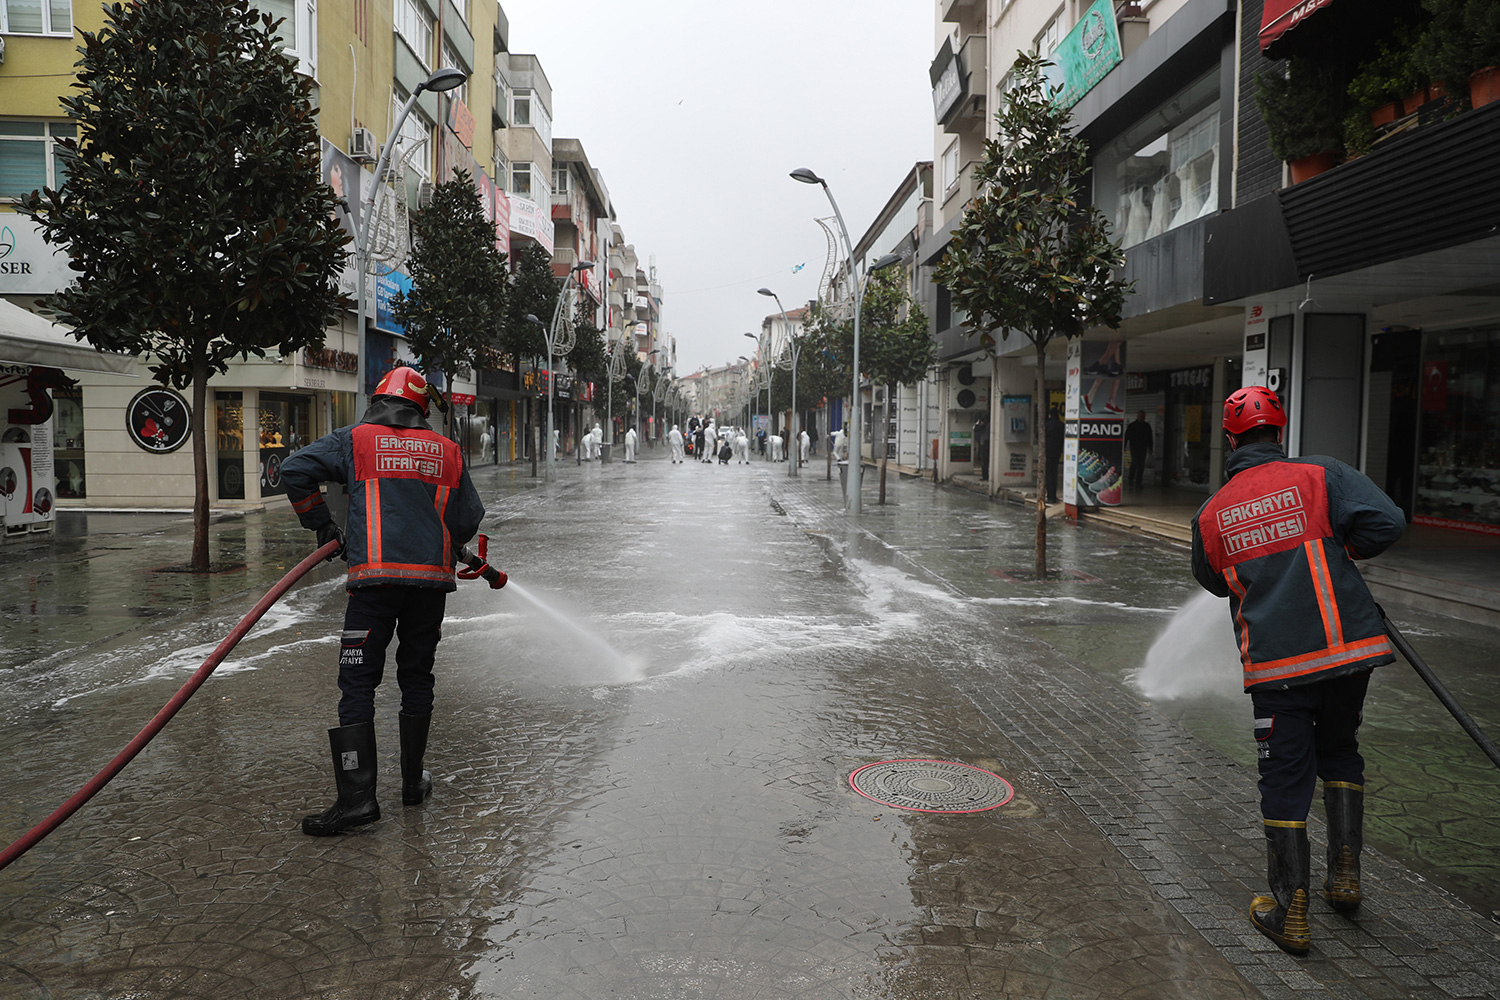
1042,466
200,463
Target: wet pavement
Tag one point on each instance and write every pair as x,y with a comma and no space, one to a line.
676,821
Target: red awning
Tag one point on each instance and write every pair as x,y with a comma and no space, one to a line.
1281,16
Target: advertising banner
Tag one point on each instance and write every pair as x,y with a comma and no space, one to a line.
1101,424
387,287
28,478
1085,55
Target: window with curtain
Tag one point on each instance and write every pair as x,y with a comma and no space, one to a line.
415,25
29,158
36,17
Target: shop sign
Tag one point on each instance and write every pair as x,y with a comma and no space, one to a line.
527,219
461,398
947,84
331,360
1086,55
386,288
960,446
29,265
1191,378
461,121
1095,381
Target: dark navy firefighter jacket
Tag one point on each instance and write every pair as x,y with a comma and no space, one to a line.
1279,539
411,502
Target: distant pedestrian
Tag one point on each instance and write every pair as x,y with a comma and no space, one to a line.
803,443
630,439
760,442
674,438
698,443
1054,449
982,444
1279,539
1139,439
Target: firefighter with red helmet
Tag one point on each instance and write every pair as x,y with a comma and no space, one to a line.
412,507
1279,539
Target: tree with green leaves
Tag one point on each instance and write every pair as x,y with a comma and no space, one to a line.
459,282
533,291
193,213
1029,254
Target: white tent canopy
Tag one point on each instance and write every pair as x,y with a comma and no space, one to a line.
29,339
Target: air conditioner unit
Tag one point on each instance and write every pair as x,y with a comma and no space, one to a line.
965,375
362,147
424,195
877,395
970,397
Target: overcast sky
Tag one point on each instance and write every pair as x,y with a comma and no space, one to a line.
695,111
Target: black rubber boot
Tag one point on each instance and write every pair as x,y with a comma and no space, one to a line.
1345,802
416,784
1282,916
354,775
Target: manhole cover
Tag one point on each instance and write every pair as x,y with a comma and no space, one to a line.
937,786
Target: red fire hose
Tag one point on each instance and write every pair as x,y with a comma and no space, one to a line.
168,710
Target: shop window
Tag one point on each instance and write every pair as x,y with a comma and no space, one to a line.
1163,172
229,421
68,453
285,427
1458,462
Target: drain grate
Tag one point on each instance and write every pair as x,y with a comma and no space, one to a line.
776,506
936,786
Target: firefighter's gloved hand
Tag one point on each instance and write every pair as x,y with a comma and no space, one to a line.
332,532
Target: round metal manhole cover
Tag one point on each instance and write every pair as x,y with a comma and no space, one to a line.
936,786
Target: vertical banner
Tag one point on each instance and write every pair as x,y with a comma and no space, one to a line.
1071,392
1101,424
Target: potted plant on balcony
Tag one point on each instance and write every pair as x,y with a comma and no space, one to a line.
1376,92
1304,112
1462,47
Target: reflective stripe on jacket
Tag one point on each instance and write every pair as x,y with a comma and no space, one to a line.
411,502
1279,540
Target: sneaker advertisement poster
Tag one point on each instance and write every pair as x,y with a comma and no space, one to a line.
1100,395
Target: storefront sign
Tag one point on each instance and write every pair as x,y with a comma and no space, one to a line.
527,219
29,265
960,446
1098,469
461,121
331,360
1086,55
947,82
387,286
461,398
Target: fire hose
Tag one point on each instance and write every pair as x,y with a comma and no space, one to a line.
477,568
1443,695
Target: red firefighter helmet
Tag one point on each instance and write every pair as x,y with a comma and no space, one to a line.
405,383
1252,406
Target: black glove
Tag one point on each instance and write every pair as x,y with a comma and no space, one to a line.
331,532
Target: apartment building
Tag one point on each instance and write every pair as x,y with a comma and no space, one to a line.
1153,88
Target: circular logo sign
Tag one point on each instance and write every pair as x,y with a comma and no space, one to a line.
158,420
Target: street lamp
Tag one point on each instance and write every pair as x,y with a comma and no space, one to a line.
795,347
852,498
553,340
443,80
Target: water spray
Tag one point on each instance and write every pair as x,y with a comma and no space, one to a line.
1443,694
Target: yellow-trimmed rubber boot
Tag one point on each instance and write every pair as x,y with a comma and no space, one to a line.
1282,916
1345,802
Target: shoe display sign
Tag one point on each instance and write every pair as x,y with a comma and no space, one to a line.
1096,386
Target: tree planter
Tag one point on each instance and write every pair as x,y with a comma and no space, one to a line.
1312,166
1484,86
1385,114
1414,101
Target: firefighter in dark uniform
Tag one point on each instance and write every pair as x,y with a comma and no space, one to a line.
1279,539
411,508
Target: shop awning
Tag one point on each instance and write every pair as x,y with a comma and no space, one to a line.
29,339
1281,16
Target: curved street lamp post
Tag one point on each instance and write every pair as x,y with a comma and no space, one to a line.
856,447
794,346
554,341
443,80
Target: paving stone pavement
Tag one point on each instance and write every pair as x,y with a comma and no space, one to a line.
674,824
1183,816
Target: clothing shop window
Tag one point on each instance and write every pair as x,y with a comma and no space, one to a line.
29,158
1458,451
1163,172
67,437
36,17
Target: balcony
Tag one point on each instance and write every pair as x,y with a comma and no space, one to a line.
959,11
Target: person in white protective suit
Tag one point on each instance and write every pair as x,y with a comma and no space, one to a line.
803,444
741,449
840,446
710,442
630,438
775,442
674,438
